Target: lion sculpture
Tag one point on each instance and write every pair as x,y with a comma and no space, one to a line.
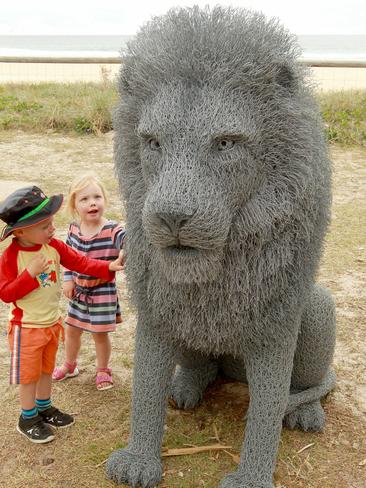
225,175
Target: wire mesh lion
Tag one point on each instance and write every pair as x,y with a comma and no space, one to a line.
224,171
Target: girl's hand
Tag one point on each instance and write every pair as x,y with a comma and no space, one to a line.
37,265
122,255
117,264
68,289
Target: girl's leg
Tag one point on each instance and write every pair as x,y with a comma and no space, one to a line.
72,343
72,347
103,350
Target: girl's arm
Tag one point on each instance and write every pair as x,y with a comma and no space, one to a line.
68,286
68,273
118,240
118,237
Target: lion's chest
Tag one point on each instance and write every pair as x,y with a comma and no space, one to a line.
210,318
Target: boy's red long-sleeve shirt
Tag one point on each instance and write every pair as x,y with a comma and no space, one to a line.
35,301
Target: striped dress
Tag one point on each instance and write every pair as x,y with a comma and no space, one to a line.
95,306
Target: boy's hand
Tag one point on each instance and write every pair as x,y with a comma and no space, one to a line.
68,289
37,265
117,264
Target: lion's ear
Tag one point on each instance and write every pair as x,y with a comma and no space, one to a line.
285,77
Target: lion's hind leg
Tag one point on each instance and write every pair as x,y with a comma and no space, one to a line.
313,377
309,417
191,379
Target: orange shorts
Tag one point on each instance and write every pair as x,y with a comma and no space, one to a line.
33,352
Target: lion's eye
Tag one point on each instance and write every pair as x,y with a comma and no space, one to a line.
154,144
225,144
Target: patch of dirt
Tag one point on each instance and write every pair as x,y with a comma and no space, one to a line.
8,186
335,458
350,171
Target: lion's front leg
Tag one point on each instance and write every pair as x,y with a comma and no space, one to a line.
269,375
140,463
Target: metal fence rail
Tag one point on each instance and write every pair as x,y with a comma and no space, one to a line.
328,74
311,62
60,59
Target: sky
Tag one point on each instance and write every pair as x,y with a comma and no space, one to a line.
121,17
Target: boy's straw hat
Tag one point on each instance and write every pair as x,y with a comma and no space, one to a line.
26,207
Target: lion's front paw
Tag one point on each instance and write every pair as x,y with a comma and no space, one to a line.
134,469
237,480
308,417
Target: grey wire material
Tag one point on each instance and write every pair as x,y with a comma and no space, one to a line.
224,172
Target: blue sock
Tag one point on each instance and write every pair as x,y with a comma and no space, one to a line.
43,404
29,414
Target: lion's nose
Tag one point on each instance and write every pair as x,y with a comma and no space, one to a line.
173,221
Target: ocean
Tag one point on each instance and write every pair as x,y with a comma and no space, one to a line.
327,47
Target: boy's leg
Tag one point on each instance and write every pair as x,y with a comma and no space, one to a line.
27,395
30,423
44,385
26,347
50,414
103,349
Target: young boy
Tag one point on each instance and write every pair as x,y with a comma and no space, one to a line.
30,282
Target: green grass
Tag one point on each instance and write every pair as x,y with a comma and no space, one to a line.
85,108
124,361
344,114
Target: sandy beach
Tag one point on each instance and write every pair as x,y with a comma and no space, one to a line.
333,79
325,78
56,72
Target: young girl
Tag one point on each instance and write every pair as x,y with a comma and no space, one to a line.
93,305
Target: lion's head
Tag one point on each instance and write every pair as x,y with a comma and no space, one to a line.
217,139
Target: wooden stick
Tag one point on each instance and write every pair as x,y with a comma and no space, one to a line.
235,457
306,447
184,451
100,464
194,450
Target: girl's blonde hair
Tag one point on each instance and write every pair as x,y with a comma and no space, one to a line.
78,184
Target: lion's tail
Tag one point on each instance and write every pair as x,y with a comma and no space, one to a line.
312,394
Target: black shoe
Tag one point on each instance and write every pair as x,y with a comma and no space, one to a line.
35,430
54,417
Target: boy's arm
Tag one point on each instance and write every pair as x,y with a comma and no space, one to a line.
12,286
75,261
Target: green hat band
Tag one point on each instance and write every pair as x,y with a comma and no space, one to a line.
35,210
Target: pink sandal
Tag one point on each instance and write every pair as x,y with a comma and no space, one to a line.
105,377
71,370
